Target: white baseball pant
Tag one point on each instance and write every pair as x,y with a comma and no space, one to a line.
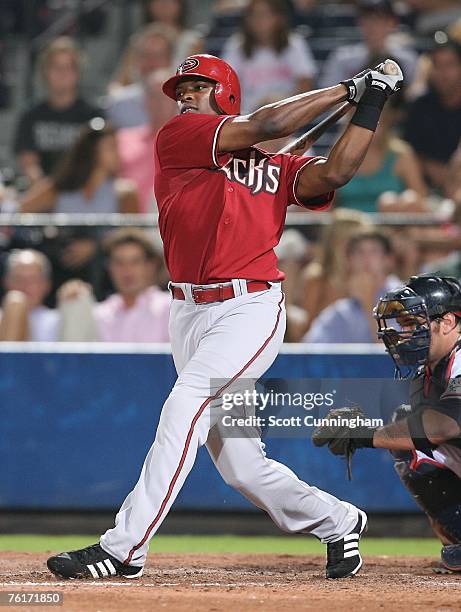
226,340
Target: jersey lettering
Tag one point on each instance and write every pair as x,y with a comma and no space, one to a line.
263,175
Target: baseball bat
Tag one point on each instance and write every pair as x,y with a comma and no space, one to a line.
308,138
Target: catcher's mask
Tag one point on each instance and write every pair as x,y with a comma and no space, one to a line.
404,317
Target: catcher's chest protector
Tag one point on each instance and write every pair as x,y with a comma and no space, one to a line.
428,389
435,489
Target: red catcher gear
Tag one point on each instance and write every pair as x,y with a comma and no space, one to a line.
227,88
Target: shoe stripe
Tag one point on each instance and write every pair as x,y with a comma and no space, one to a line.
351,553
102,568
351,537
110,566
354,571
351,546
364,518
137,575
94,573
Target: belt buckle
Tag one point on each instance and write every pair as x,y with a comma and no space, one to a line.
196,295
199,288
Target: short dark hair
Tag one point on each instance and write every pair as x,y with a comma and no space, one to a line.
131,235
375,236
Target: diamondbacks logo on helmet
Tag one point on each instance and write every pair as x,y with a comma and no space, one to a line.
189,64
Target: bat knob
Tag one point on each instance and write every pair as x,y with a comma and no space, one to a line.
390,67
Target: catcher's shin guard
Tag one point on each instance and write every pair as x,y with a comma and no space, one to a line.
438,492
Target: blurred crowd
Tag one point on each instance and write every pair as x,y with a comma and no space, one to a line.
76,154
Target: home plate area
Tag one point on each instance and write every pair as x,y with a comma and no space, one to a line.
212,582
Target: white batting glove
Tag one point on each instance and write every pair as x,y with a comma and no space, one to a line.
389,83
356,86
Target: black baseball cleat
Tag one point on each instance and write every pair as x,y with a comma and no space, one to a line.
343,557
90,562
451,557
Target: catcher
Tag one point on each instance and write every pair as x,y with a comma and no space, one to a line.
420,325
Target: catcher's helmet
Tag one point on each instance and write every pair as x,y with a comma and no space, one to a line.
227,88
404,316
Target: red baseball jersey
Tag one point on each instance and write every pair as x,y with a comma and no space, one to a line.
221,215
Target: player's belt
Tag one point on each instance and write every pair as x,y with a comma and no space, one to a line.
217,293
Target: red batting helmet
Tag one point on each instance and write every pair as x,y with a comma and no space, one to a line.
227,88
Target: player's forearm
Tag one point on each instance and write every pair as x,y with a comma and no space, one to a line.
395,436
347,155
437,429
283,118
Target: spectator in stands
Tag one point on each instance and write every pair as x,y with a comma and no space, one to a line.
324,279
135,143
433,125
378,23
27,282
48,129
137,312
271,61
390,178
85,180
150,49
369,260
173,14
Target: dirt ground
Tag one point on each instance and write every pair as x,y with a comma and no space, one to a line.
243,583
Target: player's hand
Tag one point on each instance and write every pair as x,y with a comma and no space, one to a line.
338,432
389,83
356,86
343,434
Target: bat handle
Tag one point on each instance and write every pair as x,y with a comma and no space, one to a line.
307,140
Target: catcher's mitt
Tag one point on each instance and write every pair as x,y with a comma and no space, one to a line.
343,434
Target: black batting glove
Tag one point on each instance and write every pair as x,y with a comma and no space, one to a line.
356,86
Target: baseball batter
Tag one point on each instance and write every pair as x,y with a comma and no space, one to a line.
222,204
